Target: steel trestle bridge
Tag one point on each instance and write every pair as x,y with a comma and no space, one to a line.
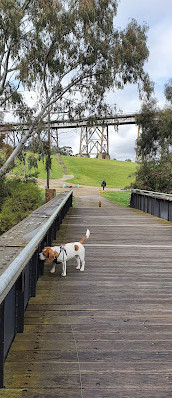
94,132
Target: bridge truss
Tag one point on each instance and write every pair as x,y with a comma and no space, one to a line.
94,133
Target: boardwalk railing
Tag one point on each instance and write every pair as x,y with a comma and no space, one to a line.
19,274
155,203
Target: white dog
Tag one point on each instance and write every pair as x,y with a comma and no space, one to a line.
66,252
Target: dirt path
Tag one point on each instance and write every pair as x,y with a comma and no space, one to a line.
79,190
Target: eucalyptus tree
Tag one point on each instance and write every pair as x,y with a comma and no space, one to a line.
168,91
155,141
70,52
154,145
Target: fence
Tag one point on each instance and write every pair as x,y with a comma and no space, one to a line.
19,275
155,203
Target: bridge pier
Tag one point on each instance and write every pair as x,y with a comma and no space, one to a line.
94,140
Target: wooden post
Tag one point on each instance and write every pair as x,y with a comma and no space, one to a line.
100,202
49,194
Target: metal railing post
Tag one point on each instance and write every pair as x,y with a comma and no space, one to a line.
2,345
20,303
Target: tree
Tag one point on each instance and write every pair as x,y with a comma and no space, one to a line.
65,150
69,52
154,145
155,175
168,91
148,121
155,141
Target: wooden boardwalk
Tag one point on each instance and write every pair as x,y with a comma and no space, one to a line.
107,332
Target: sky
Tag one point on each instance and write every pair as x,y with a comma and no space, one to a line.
158,16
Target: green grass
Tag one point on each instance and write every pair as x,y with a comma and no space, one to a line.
117,174
56,170
121,197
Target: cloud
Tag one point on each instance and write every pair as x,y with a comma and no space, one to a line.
152,12
160,58
157,15
122,144
70,138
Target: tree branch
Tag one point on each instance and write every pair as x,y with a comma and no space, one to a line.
5,69
43,113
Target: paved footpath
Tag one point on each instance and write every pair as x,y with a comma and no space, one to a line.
105,332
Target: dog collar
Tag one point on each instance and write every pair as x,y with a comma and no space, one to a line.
62,250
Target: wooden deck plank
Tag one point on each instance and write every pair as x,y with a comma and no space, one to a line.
107,330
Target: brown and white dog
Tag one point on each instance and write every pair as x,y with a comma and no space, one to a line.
64,253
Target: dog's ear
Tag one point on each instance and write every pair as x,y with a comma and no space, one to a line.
49,254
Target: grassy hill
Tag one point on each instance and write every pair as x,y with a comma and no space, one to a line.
56,171
86,171
117,174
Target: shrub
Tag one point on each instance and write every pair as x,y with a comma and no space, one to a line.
2,191
22,198
155,175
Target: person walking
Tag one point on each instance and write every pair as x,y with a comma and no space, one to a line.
103,184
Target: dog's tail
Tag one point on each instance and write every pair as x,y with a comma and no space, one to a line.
85,237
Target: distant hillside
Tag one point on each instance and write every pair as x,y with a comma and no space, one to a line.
87,171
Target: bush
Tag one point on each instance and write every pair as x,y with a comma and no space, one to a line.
155,176
21,199
2,191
